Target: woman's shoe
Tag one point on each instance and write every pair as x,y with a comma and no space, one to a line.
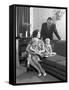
39,74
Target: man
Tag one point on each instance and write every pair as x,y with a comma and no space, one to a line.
48,28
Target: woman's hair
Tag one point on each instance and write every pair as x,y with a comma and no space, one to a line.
35,33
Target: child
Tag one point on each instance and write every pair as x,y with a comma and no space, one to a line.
48,48
33,58
38,46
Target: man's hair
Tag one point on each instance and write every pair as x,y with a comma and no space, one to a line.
49,18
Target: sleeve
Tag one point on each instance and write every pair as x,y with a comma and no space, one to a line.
33,48
56,33
29,50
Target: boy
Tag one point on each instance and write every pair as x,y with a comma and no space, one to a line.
48,48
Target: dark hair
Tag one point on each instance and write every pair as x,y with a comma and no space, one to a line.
49,18
35,33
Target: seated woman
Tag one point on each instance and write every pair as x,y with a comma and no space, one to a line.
33,58
48,48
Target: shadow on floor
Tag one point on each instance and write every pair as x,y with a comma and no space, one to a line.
31,76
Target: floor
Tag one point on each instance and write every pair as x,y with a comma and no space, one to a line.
22,76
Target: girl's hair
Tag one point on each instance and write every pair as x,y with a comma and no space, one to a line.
35,33
47,39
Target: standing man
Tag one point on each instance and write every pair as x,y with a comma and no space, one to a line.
48,28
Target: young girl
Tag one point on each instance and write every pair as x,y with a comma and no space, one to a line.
48,48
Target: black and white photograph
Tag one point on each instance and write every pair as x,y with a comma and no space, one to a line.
41,44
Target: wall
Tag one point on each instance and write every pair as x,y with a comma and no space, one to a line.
40,16
61,27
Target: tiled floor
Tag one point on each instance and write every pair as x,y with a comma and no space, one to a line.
28,77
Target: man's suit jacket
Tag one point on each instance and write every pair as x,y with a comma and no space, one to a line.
45,33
